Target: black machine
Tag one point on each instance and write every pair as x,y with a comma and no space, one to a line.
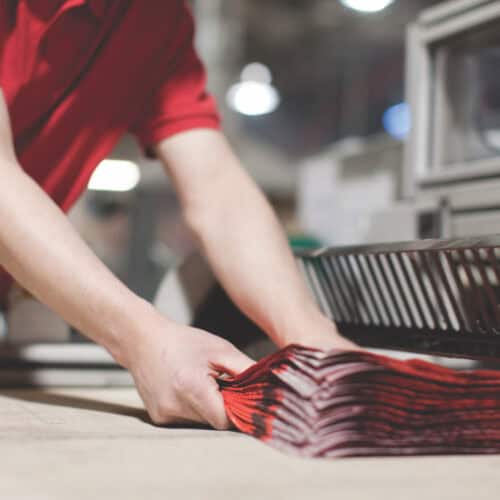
432,296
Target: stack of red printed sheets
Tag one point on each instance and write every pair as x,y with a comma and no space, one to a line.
339,404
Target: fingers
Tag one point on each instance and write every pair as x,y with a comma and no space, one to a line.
206,400
183,388
164,413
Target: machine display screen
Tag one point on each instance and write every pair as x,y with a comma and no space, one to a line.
467,98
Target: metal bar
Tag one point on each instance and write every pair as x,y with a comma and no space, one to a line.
351,315
350,280
445,317
409,246
473,292
447,286
495,266
393,301
412,323
379,318
334,290
326,285
464,302
415,261
494,313
359,291
416,301
460,23
477,283
379,289
489,321
314,286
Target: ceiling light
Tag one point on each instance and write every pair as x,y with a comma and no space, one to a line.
367,5
256,72
253,98
115,175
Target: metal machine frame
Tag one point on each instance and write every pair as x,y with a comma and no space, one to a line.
426,93
432,296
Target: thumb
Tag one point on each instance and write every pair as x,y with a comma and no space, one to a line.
209,404
207,399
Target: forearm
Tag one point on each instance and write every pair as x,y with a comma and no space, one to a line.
247,248
43,252
243,240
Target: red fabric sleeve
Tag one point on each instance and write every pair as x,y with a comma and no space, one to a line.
181,102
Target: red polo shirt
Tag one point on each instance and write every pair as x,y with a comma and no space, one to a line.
77,74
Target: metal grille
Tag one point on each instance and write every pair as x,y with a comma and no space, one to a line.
434,296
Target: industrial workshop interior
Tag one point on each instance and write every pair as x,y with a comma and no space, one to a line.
249,249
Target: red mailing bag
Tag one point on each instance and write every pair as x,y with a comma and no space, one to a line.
340,404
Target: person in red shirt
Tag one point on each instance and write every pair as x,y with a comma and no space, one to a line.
75,75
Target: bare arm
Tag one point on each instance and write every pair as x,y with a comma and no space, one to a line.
243,240
173,366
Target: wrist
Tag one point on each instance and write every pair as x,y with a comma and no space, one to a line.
301,324
132,332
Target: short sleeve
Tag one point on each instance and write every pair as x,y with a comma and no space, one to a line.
181,102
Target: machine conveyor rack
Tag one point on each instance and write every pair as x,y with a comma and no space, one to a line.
431,296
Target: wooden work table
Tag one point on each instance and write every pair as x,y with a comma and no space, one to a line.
98,444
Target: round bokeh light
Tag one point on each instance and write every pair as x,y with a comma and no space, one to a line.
367,5
253,98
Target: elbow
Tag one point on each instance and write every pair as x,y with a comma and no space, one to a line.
10,166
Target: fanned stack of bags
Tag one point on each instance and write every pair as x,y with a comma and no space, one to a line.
355,403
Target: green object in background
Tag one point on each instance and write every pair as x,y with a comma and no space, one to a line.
304,242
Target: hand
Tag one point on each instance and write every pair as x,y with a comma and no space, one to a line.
6,143
326,337
174,369
313,329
